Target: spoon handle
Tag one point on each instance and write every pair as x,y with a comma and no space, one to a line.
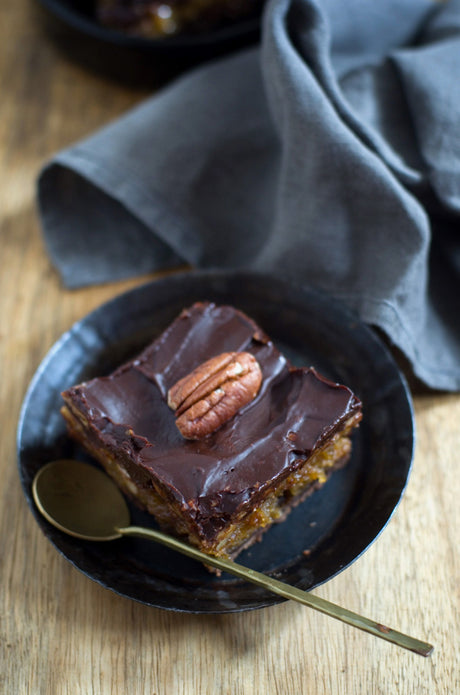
285,590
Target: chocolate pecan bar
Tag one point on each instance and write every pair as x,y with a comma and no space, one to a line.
212,430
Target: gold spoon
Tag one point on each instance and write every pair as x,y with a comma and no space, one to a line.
84,502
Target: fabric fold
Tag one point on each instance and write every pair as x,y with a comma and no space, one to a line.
330,154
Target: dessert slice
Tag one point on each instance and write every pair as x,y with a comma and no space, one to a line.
212,430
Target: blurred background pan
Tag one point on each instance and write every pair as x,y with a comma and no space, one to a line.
73,27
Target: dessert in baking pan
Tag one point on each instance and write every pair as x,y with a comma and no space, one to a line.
162,18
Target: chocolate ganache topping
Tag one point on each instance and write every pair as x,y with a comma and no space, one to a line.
294,412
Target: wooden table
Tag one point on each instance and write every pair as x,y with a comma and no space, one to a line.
63,634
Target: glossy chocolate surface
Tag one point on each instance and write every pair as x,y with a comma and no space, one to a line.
295,411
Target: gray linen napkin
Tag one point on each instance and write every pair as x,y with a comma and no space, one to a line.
331,153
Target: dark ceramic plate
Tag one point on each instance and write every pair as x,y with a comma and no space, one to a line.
335,525
73,24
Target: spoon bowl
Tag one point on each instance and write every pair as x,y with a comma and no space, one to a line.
81,500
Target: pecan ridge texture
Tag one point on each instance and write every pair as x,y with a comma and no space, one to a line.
214,392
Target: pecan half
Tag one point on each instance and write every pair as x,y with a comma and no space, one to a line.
214,392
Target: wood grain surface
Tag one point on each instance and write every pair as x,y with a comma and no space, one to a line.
61,633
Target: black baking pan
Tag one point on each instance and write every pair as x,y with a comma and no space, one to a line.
73,27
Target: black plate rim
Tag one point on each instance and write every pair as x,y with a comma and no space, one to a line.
84,24
218,275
